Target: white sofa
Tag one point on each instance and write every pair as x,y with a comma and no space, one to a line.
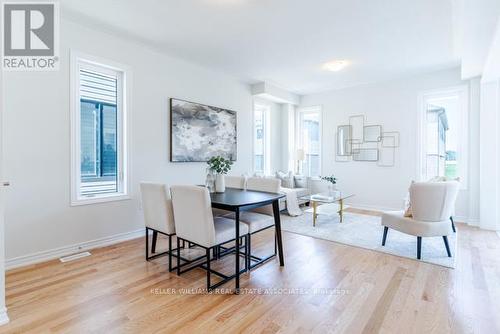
304,186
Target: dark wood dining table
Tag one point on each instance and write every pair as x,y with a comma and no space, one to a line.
237,200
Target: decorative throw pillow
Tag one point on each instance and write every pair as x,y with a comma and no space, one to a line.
286,179
300,181
443,179
283,178
291,180
408,212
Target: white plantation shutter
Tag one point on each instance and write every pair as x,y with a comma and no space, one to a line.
98,87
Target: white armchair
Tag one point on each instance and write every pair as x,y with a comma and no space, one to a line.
432,206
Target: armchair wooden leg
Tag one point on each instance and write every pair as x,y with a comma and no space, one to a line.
447,245
453,225
419,248
155,238
384,238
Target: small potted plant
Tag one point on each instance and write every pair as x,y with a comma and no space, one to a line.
220,166
332,181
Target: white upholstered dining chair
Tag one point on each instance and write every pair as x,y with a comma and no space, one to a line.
158,217
432,204
195,224
259,219
237,182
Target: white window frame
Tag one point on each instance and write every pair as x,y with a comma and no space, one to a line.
298,130
266,139
77,61
463,143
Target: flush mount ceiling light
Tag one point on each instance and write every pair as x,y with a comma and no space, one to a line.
335,65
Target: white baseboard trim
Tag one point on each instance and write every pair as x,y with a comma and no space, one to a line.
71,249
466,220
3,316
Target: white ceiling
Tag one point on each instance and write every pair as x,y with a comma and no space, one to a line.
285,42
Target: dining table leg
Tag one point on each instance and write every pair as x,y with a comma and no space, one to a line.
237,250
277,225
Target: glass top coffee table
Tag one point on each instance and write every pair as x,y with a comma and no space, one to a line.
327,198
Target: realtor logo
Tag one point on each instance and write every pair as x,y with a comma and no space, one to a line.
30,36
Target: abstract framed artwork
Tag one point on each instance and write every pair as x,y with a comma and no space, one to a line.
199,132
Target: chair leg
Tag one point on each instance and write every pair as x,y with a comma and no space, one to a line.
248,248
169,253
447,245
419,247
155,238
453,225
384,238
178,257
147,244
208,268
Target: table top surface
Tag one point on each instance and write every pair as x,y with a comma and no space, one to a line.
242,197
327,197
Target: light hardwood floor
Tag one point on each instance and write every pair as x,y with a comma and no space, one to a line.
117,291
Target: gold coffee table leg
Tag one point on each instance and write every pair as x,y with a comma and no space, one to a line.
315,205
341,211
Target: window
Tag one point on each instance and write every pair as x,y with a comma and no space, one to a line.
99,168
309,140
261,147
443,143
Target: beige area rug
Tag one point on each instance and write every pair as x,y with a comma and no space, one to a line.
366,232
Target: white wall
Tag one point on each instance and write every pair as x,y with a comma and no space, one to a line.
394,105
490,153
37,150
276,129
288,137
3,311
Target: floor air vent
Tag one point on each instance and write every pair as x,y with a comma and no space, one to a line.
74,257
